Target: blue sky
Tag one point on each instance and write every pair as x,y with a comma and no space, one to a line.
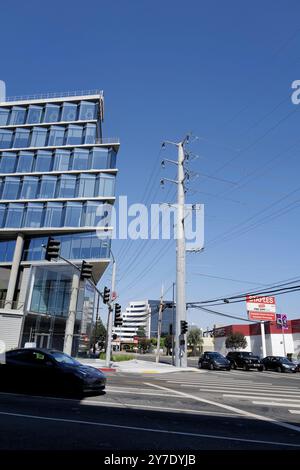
222,70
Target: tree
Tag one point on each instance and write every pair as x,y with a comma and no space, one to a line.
168,344
141,333
236,341
99,333
144,345
194,339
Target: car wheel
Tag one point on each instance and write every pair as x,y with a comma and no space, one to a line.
211,367
262,368
245,367
278,369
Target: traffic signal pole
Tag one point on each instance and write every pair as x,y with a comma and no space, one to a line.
110,315
70,323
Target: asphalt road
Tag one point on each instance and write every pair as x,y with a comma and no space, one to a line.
179,411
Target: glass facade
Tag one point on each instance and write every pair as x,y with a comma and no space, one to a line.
57,178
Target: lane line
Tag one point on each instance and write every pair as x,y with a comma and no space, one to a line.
221,389
273,403
295,412
231,408
254,397
158,431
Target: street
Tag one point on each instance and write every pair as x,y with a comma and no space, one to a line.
188,410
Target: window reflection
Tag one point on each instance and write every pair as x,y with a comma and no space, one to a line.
72,214
17,115
4,113
29,187
34,114
69,112
53,214
14,215
21,138
11,188
38,137
8,163
43,161
61,160
74,135
56,136
87,110
52,112
25,162
33,215
5,138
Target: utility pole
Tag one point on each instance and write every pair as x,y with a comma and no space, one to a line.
263,338
180,344
173,323
110,313
180,339
161,306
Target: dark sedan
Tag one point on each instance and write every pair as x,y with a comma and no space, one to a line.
279,364
213,361
48,372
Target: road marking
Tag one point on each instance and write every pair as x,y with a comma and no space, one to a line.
158,431
231,408
253,391
120,390
295,412
159,408
254,397
220,388
273,403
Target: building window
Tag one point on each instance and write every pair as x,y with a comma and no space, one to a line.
4,113
29,187
14,215
33,249
74,135
21,138
80,160
5,138
52,112
34,114
8,163
86,186
89,134
67,186
2,217
17,115
7,248
69,112
87,111
11,188
38,137
93,214
99,158
25,162
106,185
72,214
33,215
47,187
43,161
53,214
56,136
61,160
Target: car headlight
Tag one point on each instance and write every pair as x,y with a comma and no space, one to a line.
286,365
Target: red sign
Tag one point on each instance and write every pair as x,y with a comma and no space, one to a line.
262,316
260,304
113,295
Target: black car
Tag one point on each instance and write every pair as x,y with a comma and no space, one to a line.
245,360
279,363
213,360
33,370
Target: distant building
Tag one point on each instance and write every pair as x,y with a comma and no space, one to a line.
136,315
277,342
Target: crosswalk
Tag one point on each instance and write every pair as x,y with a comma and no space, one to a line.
235,385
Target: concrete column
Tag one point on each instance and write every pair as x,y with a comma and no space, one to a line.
70,323
14,271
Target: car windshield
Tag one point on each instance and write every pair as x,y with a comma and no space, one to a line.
247,354
284,360
216,355
64,358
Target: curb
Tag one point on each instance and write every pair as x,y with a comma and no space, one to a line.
106,369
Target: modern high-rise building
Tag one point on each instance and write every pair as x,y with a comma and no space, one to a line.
57,178
137,315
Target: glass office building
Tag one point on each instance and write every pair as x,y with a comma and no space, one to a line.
57,178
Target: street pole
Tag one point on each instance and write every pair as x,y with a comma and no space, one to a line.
283,340
70,323
110,315
180,343
161,304
263,338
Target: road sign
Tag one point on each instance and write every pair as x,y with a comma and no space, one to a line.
261,304
262,316
113,295
282,321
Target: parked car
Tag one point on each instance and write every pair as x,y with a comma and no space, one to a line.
213,360
245,360
279,363
48,372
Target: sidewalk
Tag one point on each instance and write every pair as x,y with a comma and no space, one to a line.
135,366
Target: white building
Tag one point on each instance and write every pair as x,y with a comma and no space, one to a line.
137,315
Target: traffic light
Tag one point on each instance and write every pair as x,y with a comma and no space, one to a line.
183,326
106,295
52,249
118,315
86,270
